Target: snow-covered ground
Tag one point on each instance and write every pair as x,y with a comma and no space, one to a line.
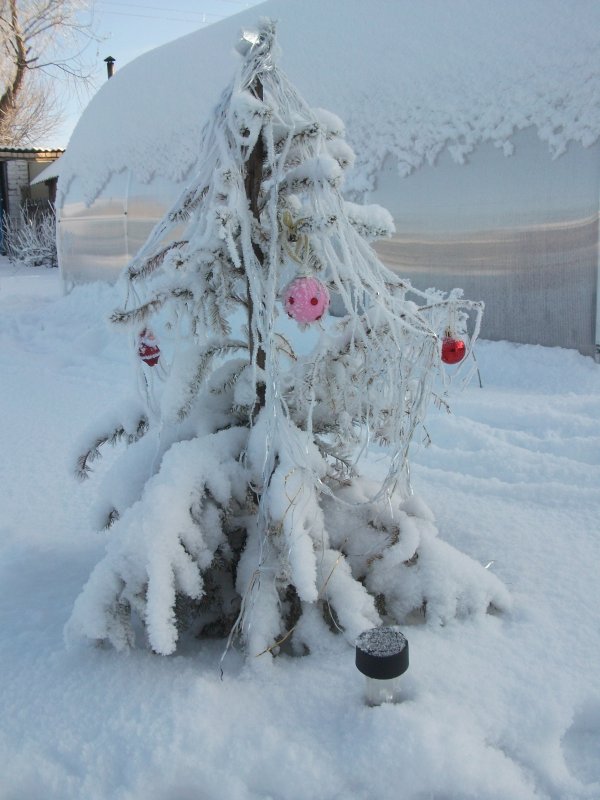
504,707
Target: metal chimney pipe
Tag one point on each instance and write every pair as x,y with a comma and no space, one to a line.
110,66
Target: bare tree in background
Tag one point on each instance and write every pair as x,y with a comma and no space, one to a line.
40,41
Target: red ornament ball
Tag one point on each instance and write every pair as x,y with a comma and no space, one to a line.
453,350
148,350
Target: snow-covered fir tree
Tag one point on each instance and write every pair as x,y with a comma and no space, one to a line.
246,502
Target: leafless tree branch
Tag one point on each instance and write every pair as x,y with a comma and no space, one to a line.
34,37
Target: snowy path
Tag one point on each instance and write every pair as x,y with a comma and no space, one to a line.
500,708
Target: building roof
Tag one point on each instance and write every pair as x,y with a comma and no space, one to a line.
29,153
408,77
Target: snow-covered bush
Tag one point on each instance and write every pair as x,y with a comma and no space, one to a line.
244,503
30,239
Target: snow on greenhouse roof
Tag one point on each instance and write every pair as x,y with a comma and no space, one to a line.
408,77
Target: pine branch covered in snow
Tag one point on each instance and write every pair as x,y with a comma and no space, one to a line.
150,307
119,434
204,359
255,515
371,222
151,263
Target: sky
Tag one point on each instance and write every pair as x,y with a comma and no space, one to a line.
128,28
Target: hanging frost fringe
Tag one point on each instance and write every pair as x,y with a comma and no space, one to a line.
262,522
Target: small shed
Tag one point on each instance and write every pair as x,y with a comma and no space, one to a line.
475,122
19,169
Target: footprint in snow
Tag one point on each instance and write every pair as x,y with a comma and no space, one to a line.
581,743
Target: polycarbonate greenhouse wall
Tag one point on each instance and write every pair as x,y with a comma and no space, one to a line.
519,232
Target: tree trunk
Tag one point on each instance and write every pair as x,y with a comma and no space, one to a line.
7,101
253,181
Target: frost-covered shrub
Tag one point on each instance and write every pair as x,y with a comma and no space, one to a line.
30,239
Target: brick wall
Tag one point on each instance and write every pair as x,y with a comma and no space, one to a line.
17,184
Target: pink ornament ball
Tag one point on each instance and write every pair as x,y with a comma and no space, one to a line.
306,299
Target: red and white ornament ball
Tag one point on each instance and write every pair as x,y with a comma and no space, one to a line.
148,350
306,299
453,350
